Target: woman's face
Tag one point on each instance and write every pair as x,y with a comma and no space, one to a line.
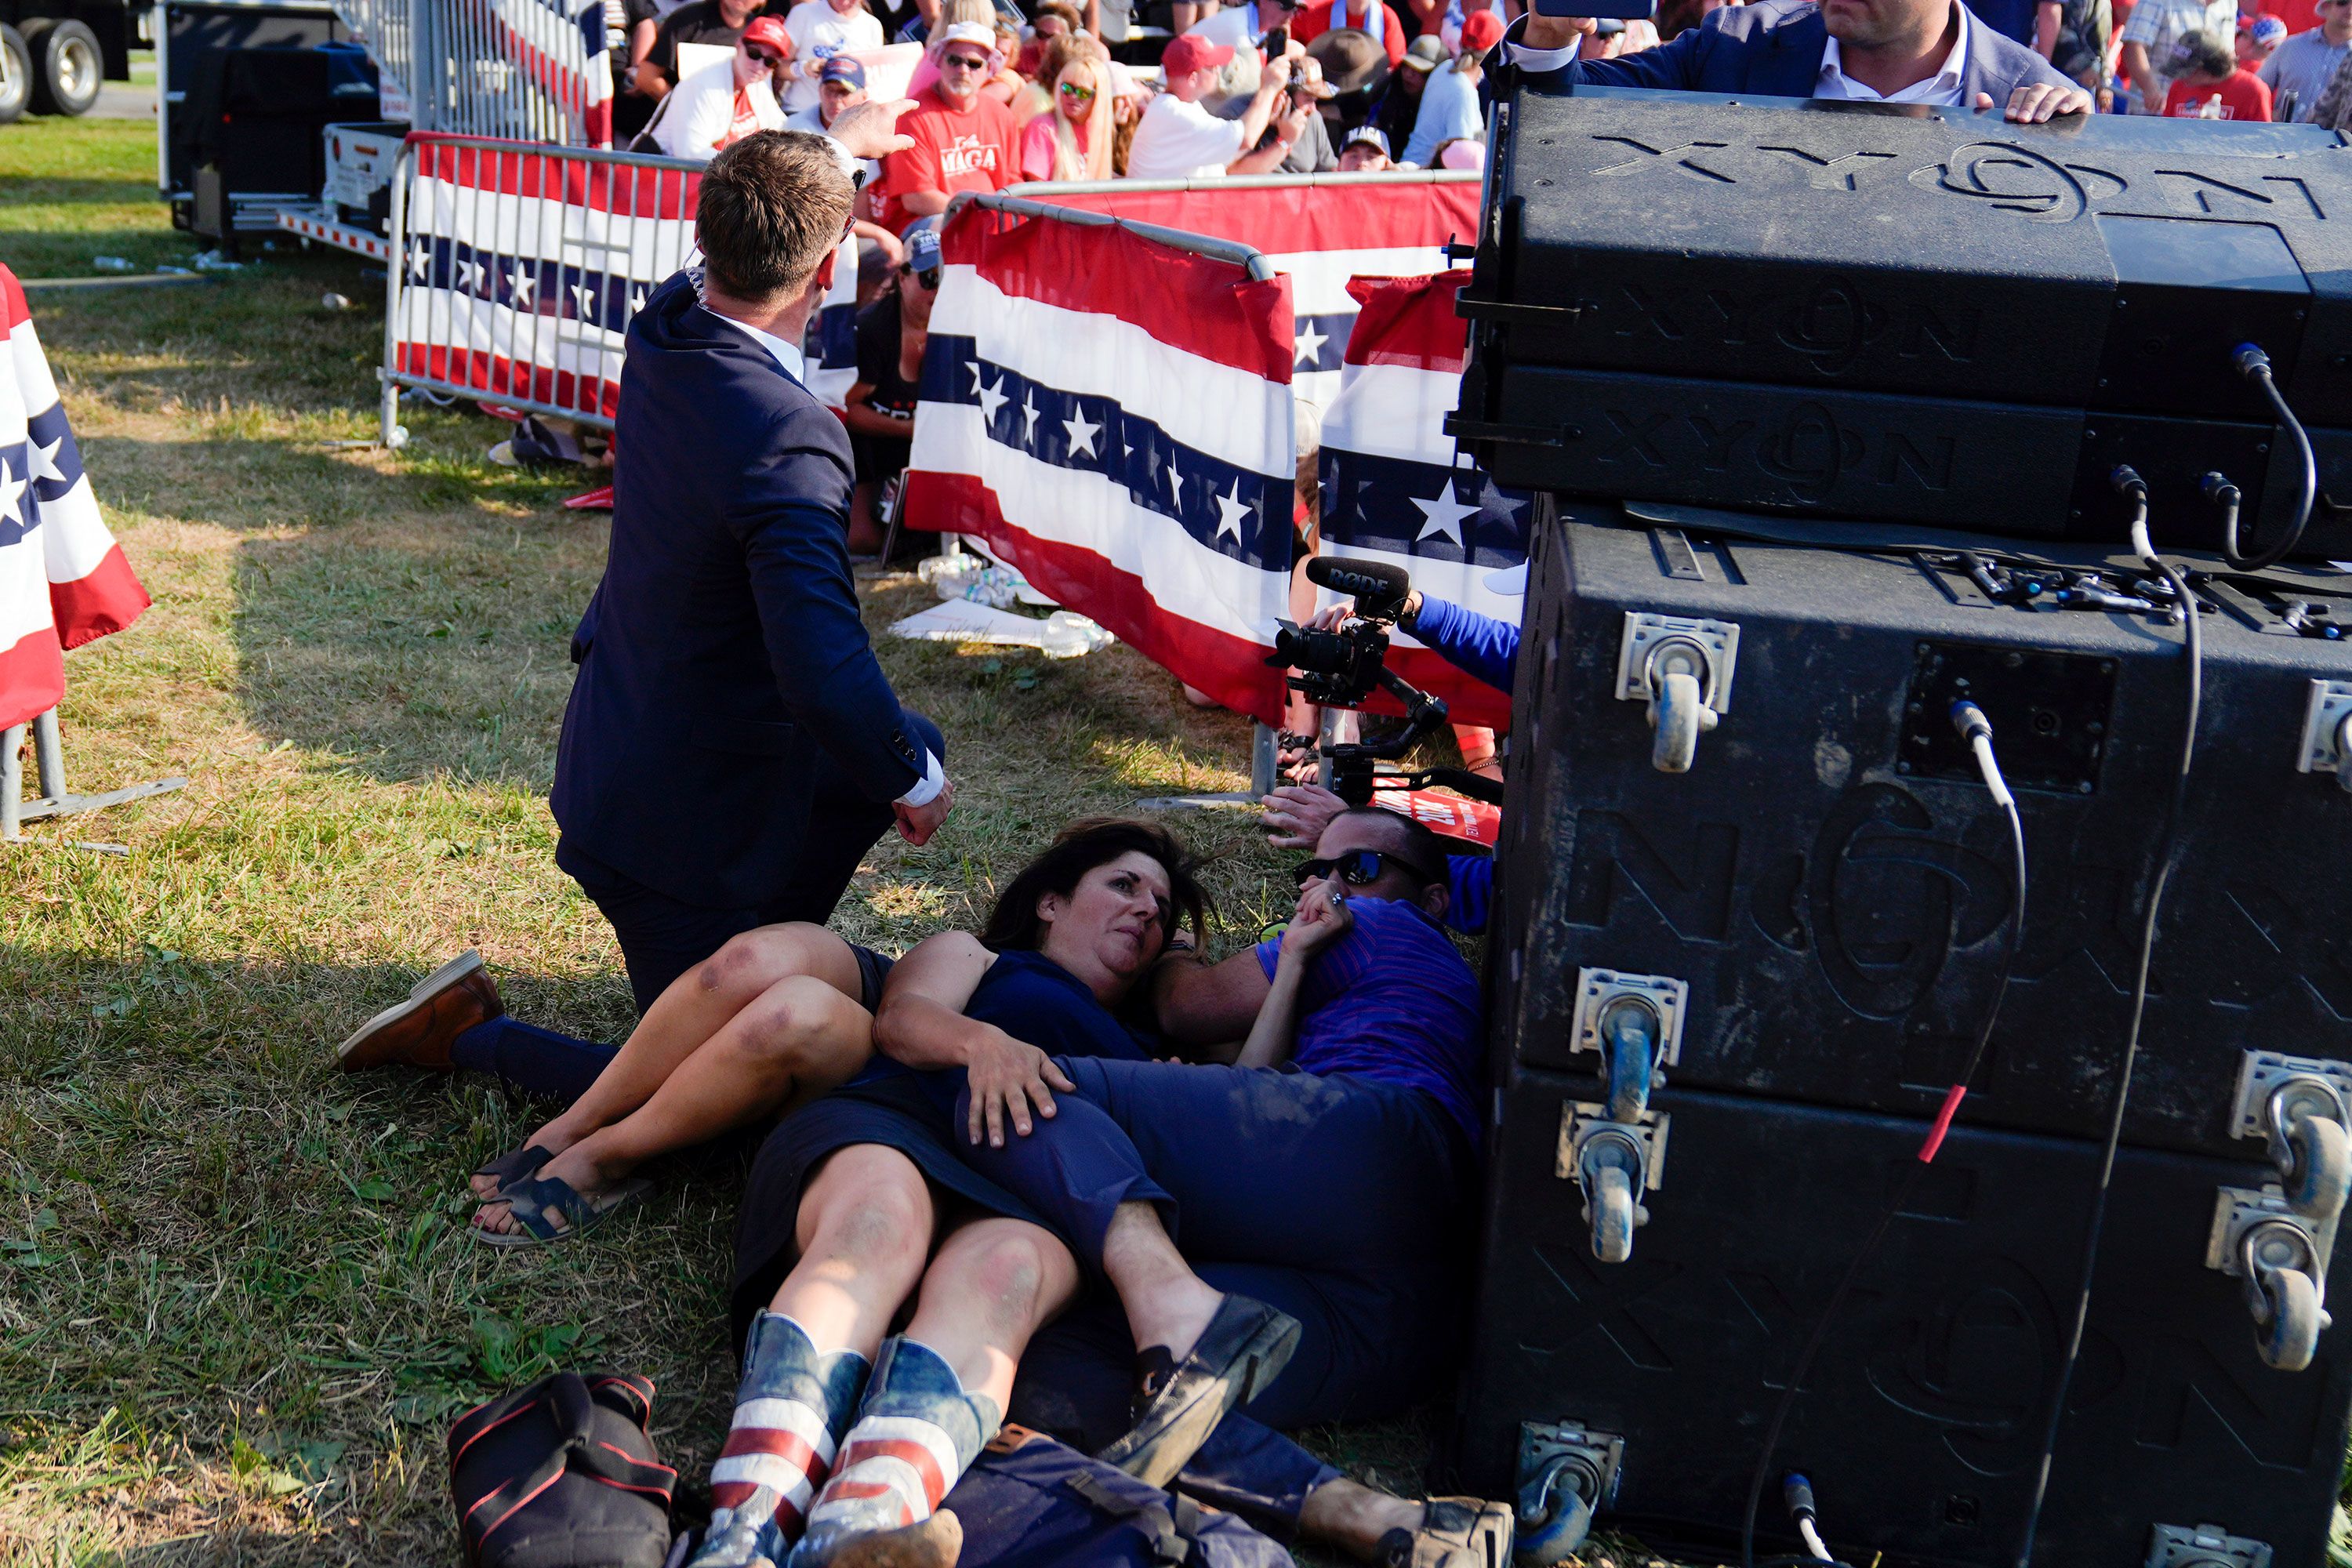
1115,920
1075,91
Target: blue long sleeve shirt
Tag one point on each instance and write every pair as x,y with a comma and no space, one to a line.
1471,879
1479,645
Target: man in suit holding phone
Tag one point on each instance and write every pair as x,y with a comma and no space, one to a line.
1872,51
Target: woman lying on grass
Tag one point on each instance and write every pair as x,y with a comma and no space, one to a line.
771,1021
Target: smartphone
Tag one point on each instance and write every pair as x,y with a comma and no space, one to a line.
1624,10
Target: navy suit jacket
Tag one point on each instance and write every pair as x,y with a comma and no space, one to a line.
1773,49
722,661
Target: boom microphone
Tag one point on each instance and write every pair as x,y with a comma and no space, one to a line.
1380,587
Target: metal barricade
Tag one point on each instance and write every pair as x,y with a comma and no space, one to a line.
516,268
516,69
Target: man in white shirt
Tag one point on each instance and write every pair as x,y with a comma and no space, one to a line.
2156,26
821,29
1179,139
721,104
1238,27
1891,51
2306,63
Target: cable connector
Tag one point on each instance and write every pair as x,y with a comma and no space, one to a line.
2126,482
1798,1492
1975,730
2248,361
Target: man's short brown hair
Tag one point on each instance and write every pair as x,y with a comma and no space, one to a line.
772,205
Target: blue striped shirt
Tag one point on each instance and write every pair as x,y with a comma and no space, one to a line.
1392,1002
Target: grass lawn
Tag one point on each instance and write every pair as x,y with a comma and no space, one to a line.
238,1303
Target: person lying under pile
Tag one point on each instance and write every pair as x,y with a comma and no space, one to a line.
997,1144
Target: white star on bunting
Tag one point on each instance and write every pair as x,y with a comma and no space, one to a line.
992,398
45,458
974,368
1175,487
1231,510
1444,515
636,301
586,299
522,283
1082,434
1029,419
1310,346
420,259
12,490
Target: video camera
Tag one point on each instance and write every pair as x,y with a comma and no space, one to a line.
1342,667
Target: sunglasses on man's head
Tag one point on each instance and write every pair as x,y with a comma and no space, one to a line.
967,62
1072,90
1356,868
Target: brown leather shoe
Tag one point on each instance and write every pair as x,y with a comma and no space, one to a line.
418,1032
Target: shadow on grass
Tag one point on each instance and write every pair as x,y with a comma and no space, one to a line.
245,1265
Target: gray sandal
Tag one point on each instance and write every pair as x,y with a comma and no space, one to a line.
532,1202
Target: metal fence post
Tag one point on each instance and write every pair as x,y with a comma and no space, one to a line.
12,783
395,274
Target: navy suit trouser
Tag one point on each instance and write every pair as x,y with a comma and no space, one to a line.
661,937
1337,1200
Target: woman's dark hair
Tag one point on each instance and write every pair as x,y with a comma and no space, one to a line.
1077,849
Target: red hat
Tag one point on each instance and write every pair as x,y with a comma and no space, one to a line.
1187,53
1481,30
769,30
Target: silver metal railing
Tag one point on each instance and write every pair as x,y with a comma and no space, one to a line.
516,268
516,69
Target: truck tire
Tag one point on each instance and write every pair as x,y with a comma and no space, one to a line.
67,64
15,74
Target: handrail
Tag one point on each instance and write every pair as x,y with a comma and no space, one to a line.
1243,256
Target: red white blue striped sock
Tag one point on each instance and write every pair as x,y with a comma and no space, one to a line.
916,1433
790,1415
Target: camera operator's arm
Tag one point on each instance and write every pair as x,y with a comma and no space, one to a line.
1478,645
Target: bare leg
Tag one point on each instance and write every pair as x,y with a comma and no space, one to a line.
1167,1303
697,1006
865,522
864,1230
797,1039
995,1283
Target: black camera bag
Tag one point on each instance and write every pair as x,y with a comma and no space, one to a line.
562,1475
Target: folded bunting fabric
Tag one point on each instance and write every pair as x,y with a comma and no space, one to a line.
1395,490
1113,414
1322,235
523,265
63,579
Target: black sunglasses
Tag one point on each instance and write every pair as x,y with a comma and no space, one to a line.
1356,868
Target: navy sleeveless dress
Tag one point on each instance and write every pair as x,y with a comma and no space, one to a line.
1027,995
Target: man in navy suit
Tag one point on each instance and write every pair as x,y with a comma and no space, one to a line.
1871,51
731,748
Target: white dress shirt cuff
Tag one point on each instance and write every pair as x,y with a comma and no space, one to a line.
1534,60
851,169
934,780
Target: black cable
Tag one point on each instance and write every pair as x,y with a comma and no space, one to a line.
2255,366
1895,1205
2169,852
